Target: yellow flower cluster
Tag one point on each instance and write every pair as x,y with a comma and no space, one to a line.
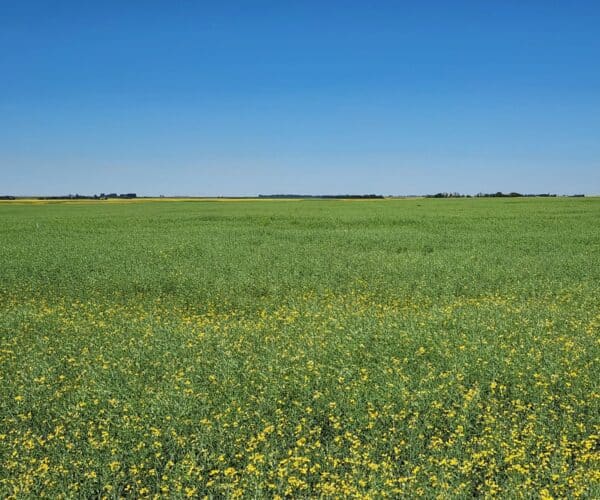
331,395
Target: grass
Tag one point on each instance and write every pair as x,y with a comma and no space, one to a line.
300,348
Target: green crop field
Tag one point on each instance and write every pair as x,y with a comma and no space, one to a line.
300,348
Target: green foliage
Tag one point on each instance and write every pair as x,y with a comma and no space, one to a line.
300,348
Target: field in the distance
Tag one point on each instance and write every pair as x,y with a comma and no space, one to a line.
300,348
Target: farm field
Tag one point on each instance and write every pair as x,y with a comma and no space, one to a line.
300,348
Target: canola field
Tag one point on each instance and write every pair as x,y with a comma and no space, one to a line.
301,348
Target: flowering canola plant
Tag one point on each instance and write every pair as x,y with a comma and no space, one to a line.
351,382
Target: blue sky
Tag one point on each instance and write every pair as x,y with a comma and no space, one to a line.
242,98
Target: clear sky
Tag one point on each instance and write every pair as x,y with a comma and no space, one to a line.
249,97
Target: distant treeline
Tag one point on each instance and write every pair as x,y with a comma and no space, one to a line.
498,195
334,196
100,196
103,196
